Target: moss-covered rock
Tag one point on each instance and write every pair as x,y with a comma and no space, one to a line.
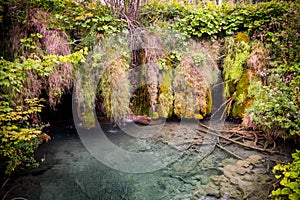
190,91
243,73
244,96
208,109
88,119
165,98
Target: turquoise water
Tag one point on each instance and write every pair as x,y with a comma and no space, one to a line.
69,171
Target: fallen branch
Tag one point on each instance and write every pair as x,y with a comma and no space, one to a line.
226,108
230,152
207,127
220,107
212,132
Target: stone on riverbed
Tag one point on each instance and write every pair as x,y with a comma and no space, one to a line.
255,159
239,179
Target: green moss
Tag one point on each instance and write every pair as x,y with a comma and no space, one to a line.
165,98
208,108
242,37
88,119
115,88
141,101
244,96
234,64
236,74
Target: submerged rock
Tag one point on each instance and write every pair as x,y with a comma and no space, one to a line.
255,159
239,179
226,196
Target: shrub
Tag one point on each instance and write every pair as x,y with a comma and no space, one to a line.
276,108
19,134
289,174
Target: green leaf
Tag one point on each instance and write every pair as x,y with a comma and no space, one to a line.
285,191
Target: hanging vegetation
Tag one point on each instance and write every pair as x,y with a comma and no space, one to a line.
21,130
153,53
168,68
166,96
105,74
115,88
237,77
194,75
149,82
35,39
147,50
41,61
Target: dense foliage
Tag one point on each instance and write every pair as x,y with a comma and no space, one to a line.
289,175
259,56
220,21
21,130
19,135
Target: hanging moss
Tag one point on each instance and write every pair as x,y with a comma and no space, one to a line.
141,101
146,77
190,90
85,90
209,100
177,81
194,75
235,74
244,69
236,60
115,88
244,95
165,98
88,119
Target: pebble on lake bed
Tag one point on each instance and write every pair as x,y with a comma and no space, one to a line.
238,179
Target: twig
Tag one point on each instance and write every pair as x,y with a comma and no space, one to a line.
222,83
230,152
226,108
221,106
207,127
236,142
256,138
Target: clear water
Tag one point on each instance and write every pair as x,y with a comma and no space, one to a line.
71,172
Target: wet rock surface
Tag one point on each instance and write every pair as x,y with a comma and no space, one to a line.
242,179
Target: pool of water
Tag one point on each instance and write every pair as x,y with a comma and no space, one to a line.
194,168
